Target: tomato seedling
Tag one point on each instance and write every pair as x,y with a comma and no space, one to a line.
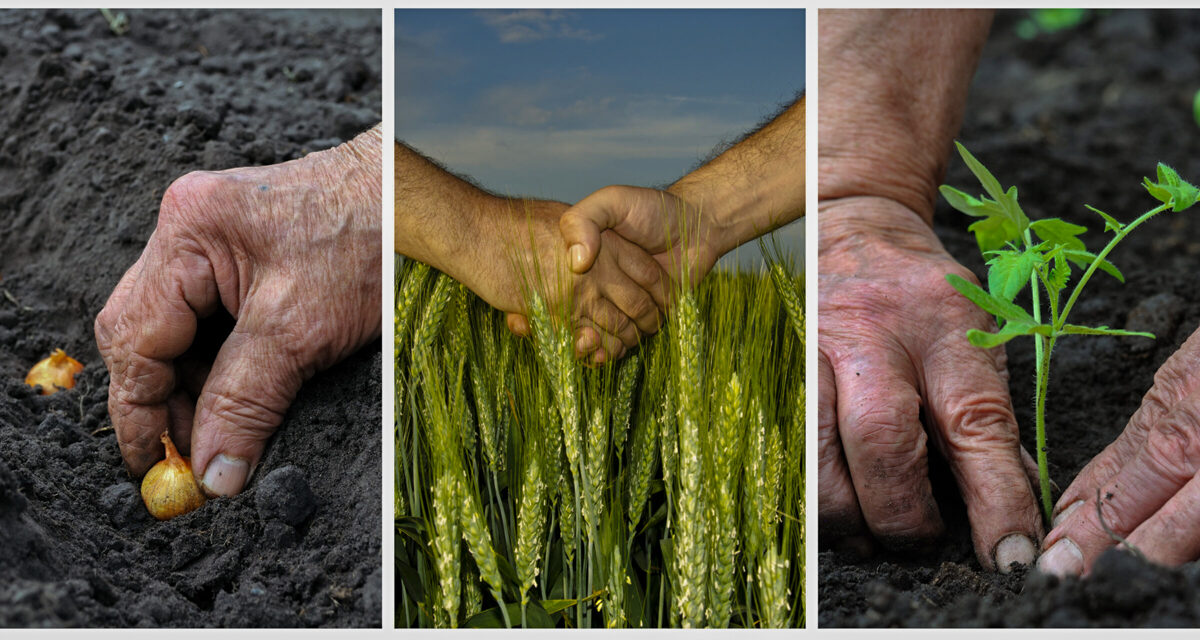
1039,253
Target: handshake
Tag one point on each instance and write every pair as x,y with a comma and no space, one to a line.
614,256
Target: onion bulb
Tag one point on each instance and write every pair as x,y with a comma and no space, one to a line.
169,488
54,373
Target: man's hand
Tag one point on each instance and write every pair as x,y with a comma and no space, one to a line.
893,351
622,298
628,221
498,247
675,232
1148,482
293,253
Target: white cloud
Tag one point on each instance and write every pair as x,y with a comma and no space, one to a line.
477,149
531,25
543,105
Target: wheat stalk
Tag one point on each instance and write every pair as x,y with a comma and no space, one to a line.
724,534
531,521
597,458
626,383
691,562
446,548
773,591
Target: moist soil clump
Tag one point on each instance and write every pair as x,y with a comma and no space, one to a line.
1073,117
93,128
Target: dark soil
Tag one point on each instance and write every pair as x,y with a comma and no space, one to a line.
93,128
1070,118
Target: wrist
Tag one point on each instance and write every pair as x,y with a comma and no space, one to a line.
907,177
475,237
847,224
715,220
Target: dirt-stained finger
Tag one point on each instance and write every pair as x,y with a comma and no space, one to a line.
878,412
839,516
972,417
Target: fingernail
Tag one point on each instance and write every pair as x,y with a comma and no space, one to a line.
582,346
225,476
1062,515
576,257
1016,548
1063,559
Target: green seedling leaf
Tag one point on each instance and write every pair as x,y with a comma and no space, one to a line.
1085,259
1003,221
995,230
969,204
1074,329
989,182
990,303
1009,272
1060,273
1171,189
987,340
1058,231
1006,199
993,233
1110,223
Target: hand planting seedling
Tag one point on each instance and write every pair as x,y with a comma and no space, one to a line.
1006,237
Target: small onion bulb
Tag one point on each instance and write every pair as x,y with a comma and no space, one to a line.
54,373
169,488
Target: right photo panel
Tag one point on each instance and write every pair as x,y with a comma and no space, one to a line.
1009,422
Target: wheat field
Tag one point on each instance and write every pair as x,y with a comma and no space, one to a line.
663,490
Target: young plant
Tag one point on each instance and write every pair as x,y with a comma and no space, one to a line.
1039,253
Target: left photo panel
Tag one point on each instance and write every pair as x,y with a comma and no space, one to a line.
190,290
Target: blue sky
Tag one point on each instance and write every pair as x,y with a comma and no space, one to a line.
556,104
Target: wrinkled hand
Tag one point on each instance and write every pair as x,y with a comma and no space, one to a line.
293,253
1148,480
893,351
674,232
616,302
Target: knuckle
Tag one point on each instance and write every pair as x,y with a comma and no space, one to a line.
645,272
885,424
139,380
183,201
243,413
1174,444
102,328
641,306
981,418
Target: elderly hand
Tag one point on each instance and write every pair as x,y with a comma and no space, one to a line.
1148,480
896,371
293,253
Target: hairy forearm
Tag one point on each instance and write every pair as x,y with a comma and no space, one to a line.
893,86
757,185
437,213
